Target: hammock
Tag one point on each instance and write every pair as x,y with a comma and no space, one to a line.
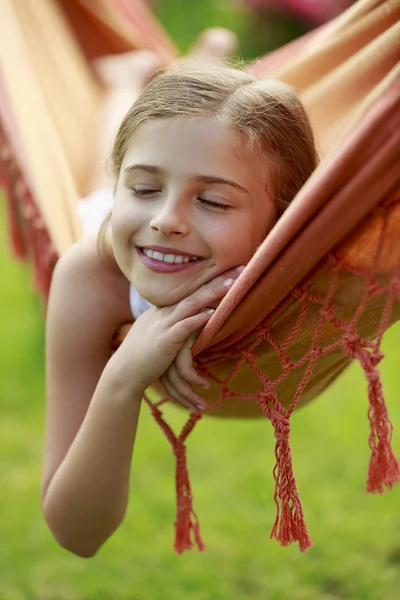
325,284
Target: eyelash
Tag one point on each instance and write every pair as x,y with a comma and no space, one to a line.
148,192
215,204
142,193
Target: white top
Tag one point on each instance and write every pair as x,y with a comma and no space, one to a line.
138,304
93,210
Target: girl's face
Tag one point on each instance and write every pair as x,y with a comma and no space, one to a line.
191,202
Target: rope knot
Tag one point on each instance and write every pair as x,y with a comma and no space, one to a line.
352,345
373,358
369,361
286,361
281,426
266,400
327,313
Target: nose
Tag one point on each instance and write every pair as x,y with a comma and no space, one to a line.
171,218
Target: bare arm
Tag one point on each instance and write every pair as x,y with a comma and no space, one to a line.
93,401
91,415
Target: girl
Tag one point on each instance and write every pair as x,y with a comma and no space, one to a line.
205,161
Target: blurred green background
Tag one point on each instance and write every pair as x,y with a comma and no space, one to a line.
357,537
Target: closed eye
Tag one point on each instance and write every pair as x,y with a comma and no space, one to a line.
143,192
216,205
148,192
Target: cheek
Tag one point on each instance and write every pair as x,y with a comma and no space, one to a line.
234,243
237,243
125,220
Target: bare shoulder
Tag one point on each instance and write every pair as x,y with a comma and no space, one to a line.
87,285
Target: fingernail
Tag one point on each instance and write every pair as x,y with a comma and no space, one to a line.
206,386
201,403
228,282
240,269
210,311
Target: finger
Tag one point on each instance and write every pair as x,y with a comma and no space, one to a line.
202,299
172,395
204,296
190,340
230,274
184,366
179,331
182,390
207,296
185,396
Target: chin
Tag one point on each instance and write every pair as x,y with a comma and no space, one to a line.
159,297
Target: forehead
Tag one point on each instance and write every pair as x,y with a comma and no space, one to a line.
187,146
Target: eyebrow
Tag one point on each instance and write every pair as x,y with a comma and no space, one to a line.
203,178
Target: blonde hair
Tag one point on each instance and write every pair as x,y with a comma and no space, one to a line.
266,113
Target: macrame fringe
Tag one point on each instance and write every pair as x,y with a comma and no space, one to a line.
28,233
289,525
7,175
187,529
16,235
384,467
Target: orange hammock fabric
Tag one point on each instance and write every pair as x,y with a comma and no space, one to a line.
325,284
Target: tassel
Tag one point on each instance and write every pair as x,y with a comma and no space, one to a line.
16,236
186,522
384,468
289,525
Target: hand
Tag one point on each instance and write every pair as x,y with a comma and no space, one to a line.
180,376
158,335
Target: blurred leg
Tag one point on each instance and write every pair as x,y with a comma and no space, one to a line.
215,44
124,77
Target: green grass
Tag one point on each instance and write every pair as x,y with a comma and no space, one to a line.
185,19
357,537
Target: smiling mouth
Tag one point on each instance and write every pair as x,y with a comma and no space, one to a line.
169,258
167,262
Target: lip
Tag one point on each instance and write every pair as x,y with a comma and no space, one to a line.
165,250
163,267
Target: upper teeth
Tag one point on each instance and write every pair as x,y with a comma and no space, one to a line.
169,258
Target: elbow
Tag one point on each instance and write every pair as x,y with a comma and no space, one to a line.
78,549
77,544
74,537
